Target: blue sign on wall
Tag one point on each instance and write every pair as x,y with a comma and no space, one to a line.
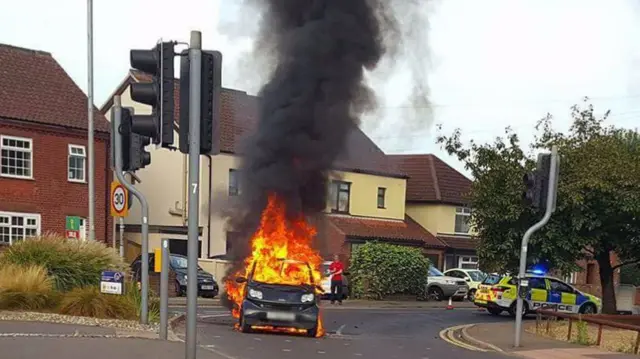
112,282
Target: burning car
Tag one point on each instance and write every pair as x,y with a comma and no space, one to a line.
273,305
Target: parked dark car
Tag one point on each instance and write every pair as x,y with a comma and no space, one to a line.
280,305
207,285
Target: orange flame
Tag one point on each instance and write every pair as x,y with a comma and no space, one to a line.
276,239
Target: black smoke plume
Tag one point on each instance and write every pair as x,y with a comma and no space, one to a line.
313,98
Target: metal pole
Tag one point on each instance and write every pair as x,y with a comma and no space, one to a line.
113,236
164,290
115,125
551,194
195,58
121,237
90,155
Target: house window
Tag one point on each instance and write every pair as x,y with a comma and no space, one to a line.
463,214
234,182
17,157
381,193
18,226
77,164
339,195
468,262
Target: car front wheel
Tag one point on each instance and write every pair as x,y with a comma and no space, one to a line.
436,293
313,332
244,327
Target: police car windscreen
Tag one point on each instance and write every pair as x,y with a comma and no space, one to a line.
492,279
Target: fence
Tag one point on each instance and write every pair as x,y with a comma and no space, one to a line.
623,322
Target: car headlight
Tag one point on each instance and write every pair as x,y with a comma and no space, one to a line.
450,282
307,298
182,280
255,294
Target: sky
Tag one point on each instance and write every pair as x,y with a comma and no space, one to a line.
490,63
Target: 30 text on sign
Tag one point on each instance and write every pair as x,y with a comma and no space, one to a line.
119,200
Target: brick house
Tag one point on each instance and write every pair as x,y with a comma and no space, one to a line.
43,149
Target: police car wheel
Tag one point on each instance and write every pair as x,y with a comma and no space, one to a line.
588,308
513,309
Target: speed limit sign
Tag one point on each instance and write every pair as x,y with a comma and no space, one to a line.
119,200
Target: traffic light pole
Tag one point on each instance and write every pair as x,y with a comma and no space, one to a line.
522,282
195,59
115,126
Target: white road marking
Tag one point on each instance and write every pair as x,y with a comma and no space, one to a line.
321,352
286,350
339,331
214,316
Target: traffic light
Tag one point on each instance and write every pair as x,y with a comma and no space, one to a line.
159,93
210,87
134,155
537,183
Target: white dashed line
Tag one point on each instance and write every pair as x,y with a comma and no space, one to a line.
339,331
286,350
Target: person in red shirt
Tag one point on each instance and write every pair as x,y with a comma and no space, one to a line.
335,269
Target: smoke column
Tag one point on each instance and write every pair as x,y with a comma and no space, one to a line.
319,51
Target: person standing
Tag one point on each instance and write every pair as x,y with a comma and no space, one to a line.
335,269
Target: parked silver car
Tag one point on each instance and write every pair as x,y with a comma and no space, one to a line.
440,286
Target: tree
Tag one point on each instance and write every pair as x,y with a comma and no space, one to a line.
598,206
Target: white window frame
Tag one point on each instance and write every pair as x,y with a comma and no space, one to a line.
30,151
83,228
26,217
572,278
84,163
465,212
470,260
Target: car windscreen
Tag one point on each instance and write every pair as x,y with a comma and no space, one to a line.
180,263
434,272
476,275
492,279
288,269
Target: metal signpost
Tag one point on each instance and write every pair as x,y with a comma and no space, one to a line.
195,58
550,208
164,288
115,126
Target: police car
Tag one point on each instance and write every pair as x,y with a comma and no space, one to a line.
499,293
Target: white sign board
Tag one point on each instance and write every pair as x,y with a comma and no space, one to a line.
111,288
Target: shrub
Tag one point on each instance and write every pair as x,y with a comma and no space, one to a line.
70,263
134,296
378,270
26,288
90,302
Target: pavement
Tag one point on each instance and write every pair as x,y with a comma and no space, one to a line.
499,337
35,340
402,333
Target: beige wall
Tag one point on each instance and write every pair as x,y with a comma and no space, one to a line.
364,195
436,218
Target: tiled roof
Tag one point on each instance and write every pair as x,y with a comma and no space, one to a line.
460,242
432,180
385,229
35,88
239,117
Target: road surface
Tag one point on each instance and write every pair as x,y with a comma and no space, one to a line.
352,333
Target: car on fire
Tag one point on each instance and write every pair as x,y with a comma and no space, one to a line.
280,305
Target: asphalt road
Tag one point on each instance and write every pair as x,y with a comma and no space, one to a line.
352,333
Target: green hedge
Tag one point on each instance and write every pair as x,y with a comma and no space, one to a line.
378,270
